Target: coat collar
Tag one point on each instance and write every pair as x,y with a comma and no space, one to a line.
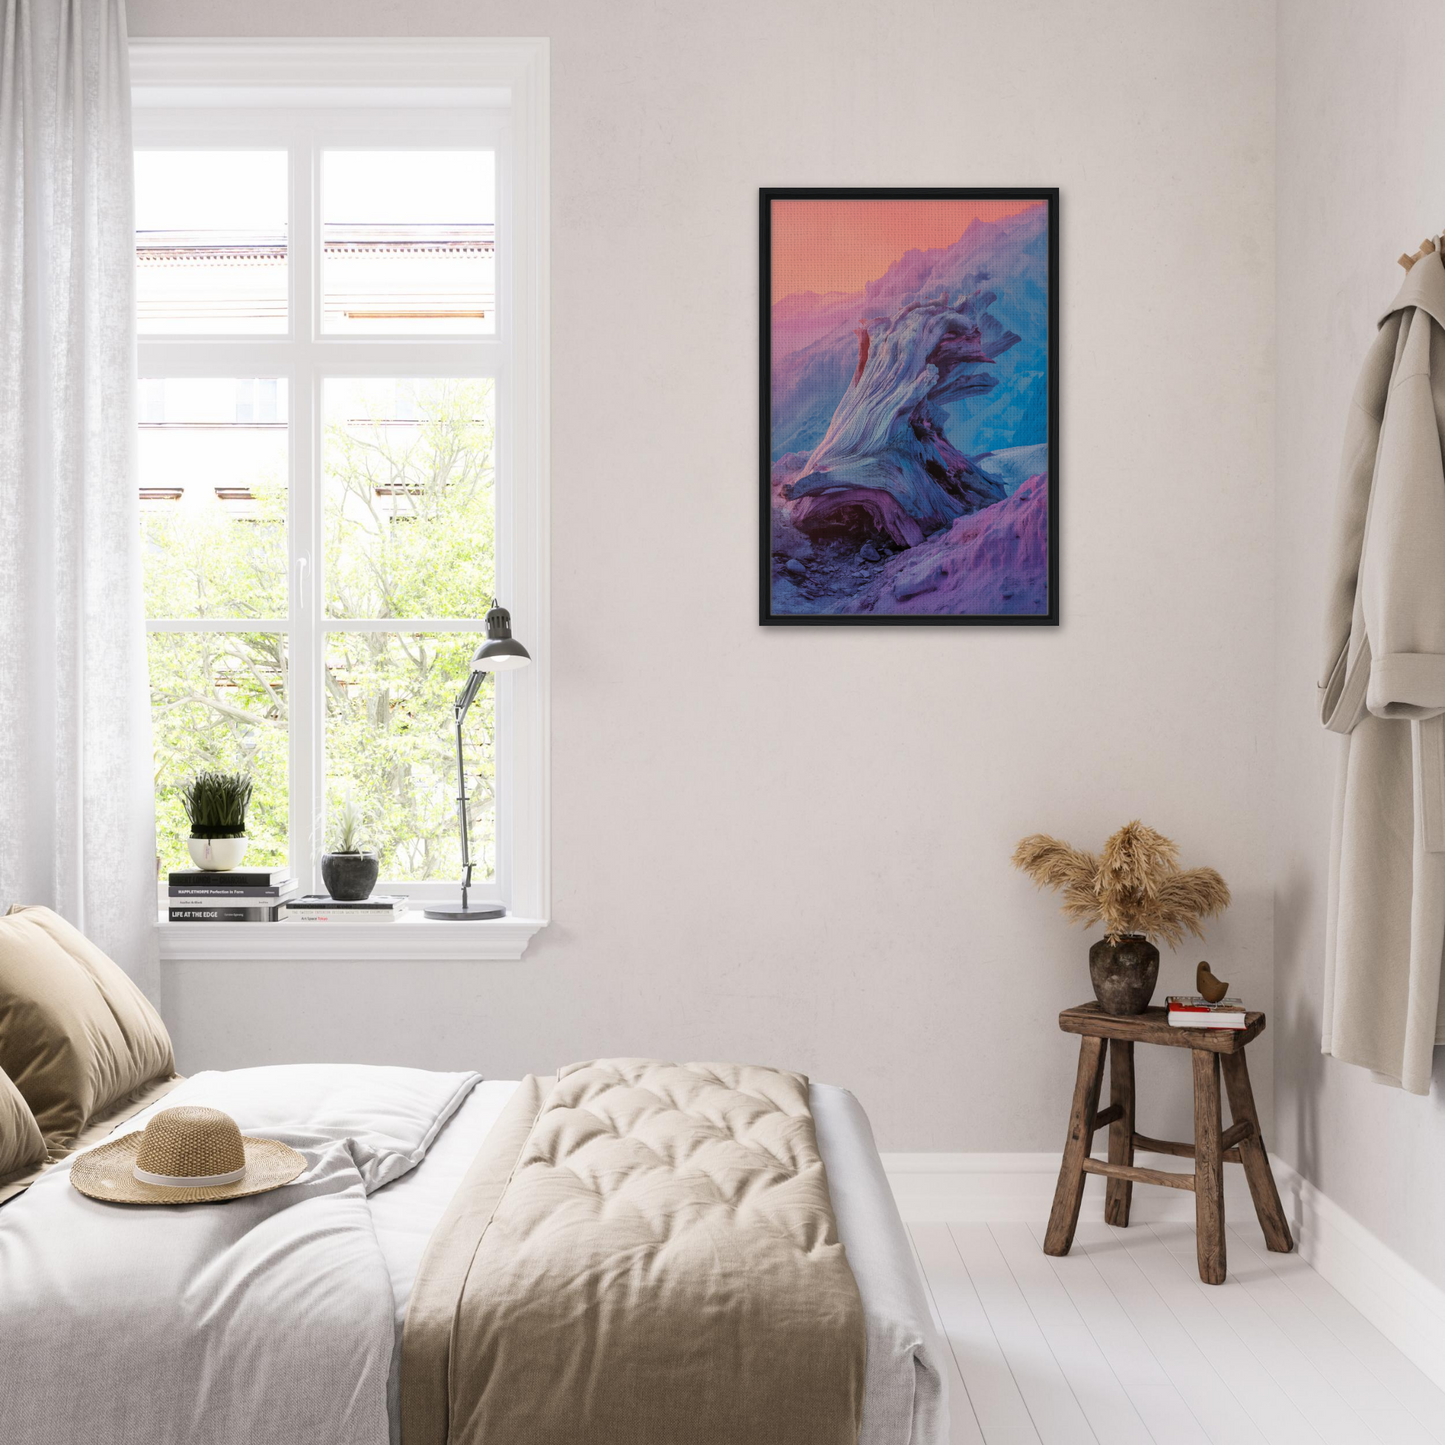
1424,287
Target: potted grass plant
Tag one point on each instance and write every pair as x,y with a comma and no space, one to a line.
350,869
1137,890
216,805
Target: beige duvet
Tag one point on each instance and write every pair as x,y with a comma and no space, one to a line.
643,1254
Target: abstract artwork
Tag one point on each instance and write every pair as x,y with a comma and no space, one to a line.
910,406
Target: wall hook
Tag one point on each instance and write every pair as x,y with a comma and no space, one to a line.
1427,248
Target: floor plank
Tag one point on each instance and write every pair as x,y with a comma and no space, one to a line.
1208,1395
992,1393
1277,1356
1397,1427
1118,1343
963,1426
1350,1375
1055,1412
1256,1390
1409,1385
1111,1414
1162,1408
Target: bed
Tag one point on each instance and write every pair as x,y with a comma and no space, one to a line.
87,1313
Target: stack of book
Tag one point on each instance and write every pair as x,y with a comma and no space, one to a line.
318,908
239,895
1193,1011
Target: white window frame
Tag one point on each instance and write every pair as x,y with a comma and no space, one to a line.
303,95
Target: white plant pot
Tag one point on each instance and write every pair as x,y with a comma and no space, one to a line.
217,854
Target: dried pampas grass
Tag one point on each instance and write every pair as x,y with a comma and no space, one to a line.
1134,886
1070,871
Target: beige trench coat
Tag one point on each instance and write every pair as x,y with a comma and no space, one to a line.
1384,688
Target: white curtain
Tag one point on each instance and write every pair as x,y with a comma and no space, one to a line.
76,795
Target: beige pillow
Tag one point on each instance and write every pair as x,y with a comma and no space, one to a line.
76,1035
21,1145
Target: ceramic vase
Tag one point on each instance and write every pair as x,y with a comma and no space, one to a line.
1124,973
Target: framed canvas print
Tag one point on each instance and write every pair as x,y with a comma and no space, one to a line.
910,405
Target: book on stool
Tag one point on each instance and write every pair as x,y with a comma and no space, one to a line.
1194,1011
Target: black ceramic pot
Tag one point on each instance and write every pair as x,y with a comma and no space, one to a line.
1124,973
350,877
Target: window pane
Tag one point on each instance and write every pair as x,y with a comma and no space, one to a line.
410,513
390,749
210,242
409,242
218,701
213,496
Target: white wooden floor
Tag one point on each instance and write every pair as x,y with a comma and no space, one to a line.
1120,1344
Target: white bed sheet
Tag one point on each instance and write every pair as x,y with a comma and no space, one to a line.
268,1320
905,1399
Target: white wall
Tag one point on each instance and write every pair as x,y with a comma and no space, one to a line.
1361,178
791,846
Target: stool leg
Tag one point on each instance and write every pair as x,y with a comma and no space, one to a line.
1064,1218
1208,1168
1255,1157
1119,1193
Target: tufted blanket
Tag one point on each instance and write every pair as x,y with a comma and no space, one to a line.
643,1254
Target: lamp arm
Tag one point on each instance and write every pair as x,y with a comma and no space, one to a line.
460,707
467,695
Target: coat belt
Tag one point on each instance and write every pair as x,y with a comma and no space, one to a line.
1343,707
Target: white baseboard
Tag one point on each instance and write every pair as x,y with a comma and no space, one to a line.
1405,1306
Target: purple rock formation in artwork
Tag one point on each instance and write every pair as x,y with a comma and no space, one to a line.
992,562
885,465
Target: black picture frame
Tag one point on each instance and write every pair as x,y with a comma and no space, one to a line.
767,195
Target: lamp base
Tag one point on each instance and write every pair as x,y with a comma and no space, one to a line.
460,912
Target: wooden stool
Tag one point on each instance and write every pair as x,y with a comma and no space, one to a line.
1241,1143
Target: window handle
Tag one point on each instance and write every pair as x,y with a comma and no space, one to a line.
301,565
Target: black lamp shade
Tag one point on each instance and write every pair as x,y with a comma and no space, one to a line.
500,656
501,651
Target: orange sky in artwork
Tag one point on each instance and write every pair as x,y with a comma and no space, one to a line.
842,245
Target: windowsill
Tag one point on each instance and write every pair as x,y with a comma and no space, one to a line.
411,937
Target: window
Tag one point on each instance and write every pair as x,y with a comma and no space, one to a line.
341,440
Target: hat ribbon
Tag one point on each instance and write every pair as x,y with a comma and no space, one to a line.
189,1181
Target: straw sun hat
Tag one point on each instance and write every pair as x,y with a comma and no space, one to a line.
187,1155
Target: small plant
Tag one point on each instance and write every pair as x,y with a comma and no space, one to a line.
216,804
347,834
1134,887
349,868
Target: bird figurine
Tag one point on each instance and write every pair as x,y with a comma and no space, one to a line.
1210,987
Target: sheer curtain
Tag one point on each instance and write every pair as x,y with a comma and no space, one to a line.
76,798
